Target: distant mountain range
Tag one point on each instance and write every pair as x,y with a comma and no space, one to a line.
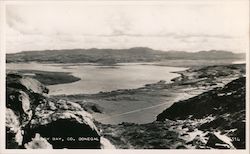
112,56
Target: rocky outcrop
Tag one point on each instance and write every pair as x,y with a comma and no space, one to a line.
209,75
198,142
225,105
35,121
229,99
26,84
38,142
219,142
13,130
65,125
106,144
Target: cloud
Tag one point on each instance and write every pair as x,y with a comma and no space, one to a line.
12,18
172,26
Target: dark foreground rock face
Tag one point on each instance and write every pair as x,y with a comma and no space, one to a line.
35,121
227,107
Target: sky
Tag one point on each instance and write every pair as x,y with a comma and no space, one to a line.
186,26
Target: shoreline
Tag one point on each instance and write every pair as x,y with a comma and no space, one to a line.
155,97
184,87
128,117
130,80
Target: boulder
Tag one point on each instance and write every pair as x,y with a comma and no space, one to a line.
69,126
218,141
38,143
19,102
13,130
33,120
198,142
23,94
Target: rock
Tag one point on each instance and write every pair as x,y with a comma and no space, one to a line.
67,127
198,141
35,121
180,147
17,81
161,82
106,144
13,130
20,96
19,102
67,105
23,95
38,143
219,141
91,107
190,128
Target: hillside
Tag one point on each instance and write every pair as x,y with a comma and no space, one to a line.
226,107
112,56
211,120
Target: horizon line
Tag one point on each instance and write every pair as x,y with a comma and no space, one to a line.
220,50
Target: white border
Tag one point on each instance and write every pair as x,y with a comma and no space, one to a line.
3,3
2,76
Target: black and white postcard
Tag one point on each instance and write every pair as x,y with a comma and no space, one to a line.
159,76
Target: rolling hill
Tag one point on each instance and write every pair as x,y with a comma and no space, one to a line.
112,56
